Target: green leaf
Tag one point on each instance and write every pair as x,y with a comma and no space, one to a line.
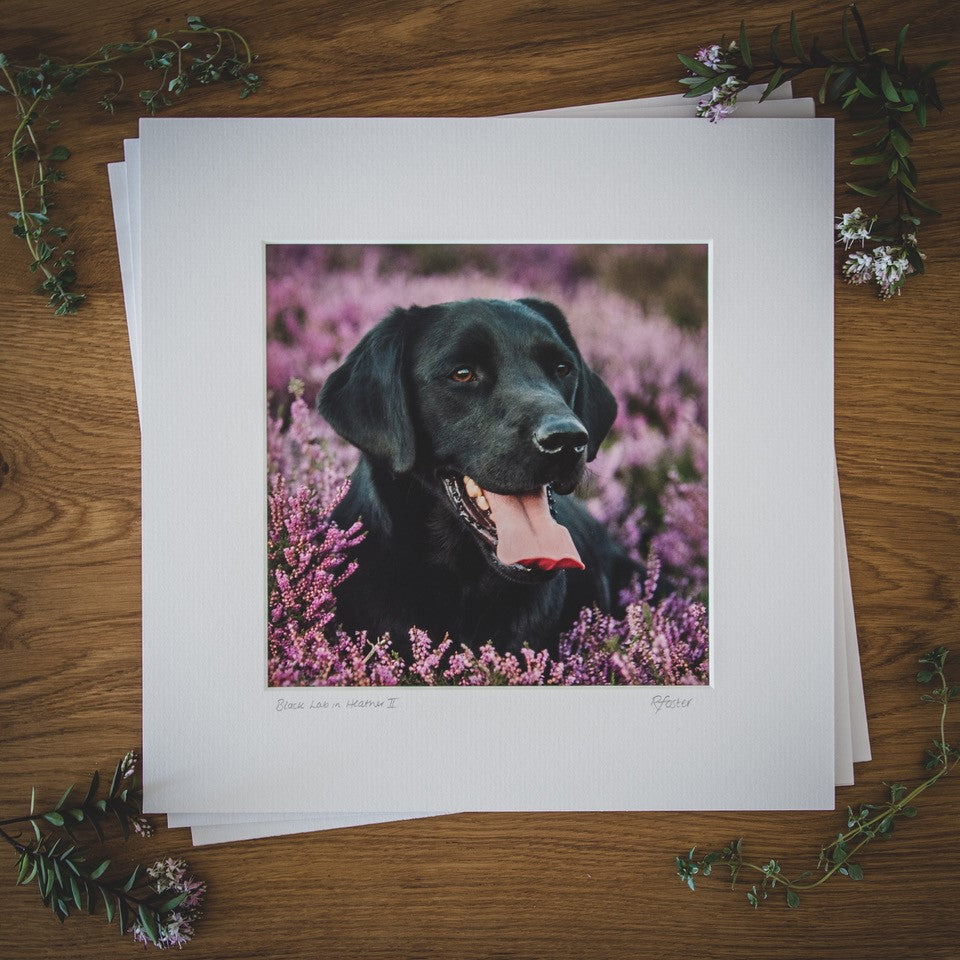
905,179
148,920
66,793
795,39
151,36
845,30
900,143
24,865
124,912
849,98
855,871
775,42
98,871
886,84
108,902
773,84
53,817
827,74
695,66
117,773
60,153
94,780
933,68
922,112
702,88
3,59
869,130
868,161
745,46
36,829
864,89
75,892
793,899
838,85
33,790
898,54
172,903
909,811
97,829
195,23
128,886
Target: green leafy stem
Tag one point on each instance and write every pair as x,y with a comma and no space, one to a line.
65,878
197,54
882,90
868,822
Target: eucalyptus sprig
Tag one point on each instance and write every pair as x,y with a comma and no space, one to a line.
866,823
884,91
157,905
198,54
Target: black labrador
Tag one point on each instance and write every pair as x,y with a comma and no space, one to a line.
475,420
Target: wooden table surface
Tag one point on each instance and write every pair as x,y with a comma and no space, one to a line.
537,886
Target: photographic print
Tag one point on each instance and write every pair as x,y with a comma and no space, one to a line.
487,464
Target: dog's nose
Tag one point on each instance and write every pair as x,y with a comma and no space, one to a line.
561,435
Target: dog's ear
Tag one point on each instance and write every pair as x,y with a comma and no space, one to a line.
365,398
593,402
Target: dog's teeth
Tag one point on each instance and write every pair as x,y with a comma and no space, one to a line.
473,491
482,503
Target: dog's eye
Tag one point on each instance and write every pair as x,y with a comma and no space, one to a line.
463,375
564,369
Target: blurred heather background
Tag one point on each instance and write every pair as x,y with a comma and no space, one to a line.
639,314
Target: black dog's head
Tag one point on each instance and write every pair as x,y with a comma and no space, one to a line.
488,400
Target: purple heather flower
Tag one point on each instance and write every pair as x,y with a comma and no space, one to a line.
710,56
721,100
176,927
142,826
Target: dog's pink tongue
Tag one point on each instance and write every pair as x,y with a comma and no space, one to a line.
528,534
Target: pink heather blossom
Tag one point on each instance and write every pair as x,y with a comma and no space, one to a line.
710,56
175,928
721,100
647,485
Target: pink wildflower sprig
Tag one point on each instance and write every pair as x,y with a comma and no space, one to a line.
160,910
180,896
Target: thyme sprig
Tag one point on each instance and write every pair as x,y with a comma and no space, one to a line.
876,84
868,822
197,54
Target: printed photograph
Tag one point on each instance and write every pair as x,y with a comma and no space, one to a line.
487,465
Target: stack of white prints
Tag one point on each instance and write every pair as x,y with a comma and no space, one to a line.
488,465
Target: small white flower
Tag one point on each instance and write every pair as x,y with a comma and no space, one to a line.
854,226
859,267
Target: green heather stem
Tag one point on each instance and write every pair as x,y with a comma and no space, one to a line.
55,75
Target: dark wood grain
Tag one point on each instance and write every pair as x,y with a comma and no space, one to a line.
534,886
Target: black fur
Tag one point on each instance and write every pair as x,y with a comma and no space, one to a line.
395,399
